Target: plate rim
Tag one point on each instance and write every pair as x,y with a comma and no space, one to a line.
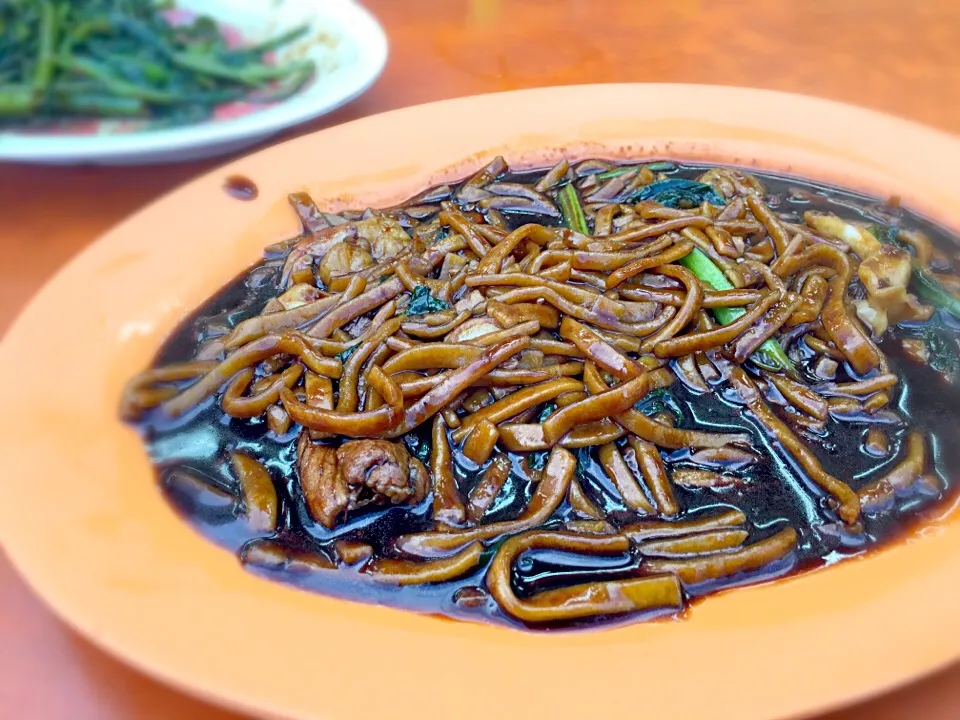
922,559
361,26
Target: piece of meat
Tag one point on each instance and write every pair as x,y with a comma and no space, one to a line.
299,295
323,486
730,182
886,275
344,258
307,250
471,329
863,242
885,272
386,236
358,474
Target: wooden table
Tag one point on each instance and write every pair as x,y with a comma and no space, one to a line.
903,58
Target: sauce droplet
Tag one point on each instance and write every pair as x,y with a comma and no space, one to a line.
241,187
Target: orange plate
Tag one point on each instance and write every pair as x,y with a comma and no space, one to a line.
82,518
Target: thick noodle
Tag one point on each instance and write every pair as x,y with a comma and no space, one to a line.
477,389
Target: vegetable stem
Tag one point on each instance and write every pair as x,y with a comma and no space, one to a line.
254,75
572,210
275,43
17,100
43,74
122,58
616,172
769,355
117,85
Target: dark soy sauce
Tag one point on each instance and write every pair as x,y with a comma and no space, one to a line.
192,455
241,188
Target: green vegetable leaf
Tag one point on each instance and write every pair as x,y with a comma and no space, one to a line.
418,447
653,402
928,288
942,345
344,355
422,302
546,412
679,193
925,283
944,352
125,58
886,234
537,460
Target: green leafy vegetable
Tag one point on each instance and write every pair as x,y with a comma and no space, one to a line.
925,283
125,58
572,209
679,193
928,288
344,355
422,302
942,345
418,447
886,234
944,352
660,400
537,460
653,403
769,355
546,412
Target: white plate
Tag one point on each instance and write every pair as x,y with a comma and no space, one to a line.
346,42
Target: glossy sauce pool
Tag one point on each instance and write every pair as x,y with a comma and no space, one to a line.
192,458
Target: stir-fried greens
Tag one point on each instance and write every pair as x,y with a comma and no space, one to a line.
128,59
567,394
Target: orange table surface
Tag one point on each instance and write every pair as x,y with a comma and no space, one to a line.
895,56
